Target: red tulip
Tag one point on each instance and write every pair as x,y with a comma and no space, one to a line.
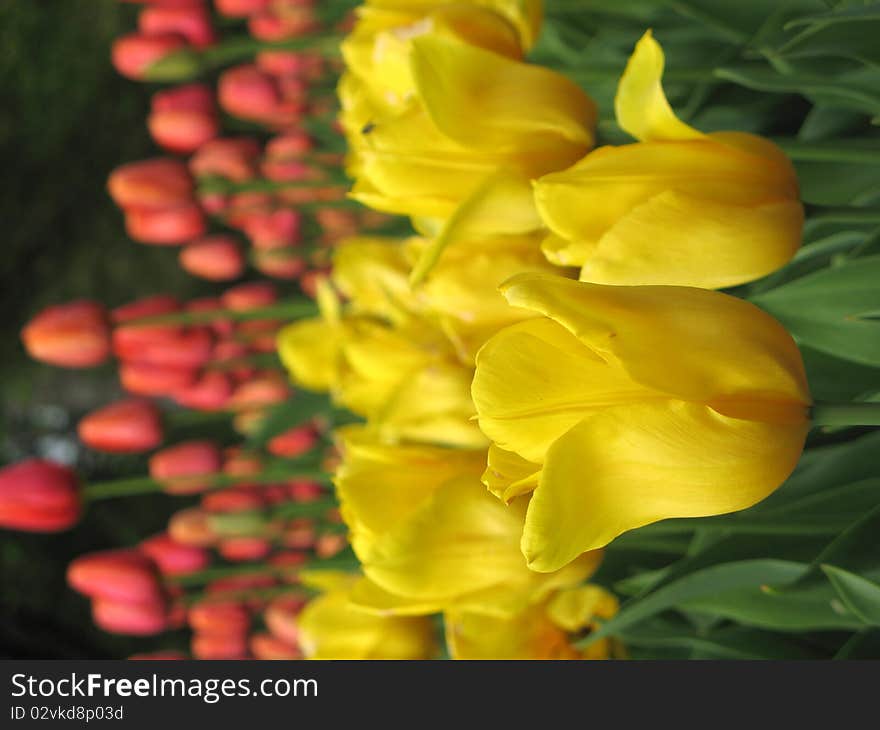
219,646
134,54
276,229
166,226
211,392
131,619
191,527
265,646
184,118
191,22
240,8
173,557
281,618
161,182
254,295
152,306
293,442
216,258
219,616
124,576
249,93
146,379
284,20
232,158
244,549
72,335
38,496
280,263
181,347
261,391
179,467
127,427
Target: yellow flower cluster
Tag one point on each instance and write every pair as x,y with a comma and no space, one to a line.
545,365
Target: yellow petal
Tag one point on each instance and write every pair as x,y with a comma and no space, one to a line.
310,350
502,204
535,380
628,466
372,598
677,239
575,609
539,119
508,475
641,106
694,344
331,627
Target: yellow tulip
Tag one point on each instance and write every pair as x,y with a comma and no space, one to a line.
679,207
332,627
403,375
474,112
430,537
543,631
627,405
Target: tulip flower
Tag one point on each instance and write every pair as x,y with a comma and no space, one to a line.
261,390
166,346
234,159
679,207
240,8
219,617
131,619
279,263
135,53
331,627
157,183
219,646
282,20
293,442
431,502
151,306
544,631
184,118
121,576
191,527
126,427
250,93
244,549
172,557
462,128
211,392
38,496
281,616
147,379
166,227
253,295
622,406
215,258
180,467
193,23
280,228
72,335
267,647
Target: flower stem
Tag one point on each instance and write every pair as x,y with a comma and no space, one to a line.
287,310
846,414
145,485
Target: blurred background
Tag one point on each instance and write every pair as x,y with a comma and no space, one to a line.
66,119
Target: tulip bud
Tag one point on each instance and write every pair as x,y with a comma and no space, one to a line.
160,182
289,22
219,617
299,534
219,646
263,390
330,544
237,462
216,258
72,335
235,499
184,118
242,584
124,576
234,159
244,549
249,93
254,295
165,227
281,617
179,467
169,346
146,307
294,442
132,619
303,490
279,263
126,427
276,229
193,23
173,557
265,646
147,379
135,55
190,527
240,8
38,496
211,392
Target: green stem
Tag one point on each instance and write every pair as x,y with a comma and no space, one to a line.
292,309
145,485
257,594
213,186
242,49
844,214
846,414
344,561
830,152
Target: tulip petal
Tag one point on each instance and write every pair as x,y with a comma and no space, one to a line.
486,101
641,106
690,343
535,380
639,463
679,240
309,350
508,475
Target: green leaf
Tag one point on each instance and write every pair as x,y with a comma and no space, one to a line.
703,583
836,310
860,595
